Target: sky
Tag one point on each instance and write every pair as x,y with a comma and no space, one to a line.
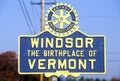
96,17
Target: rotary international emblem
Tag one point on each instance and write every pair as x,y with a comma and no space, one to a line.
61,20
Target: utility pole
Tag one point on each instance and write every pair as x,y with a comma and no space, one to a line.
42,3
42,16
42,26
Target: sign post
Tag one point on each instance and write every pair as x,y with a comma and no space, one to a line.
42,28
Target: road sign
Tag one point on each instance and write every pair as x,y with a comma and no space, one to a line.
77,53
62,49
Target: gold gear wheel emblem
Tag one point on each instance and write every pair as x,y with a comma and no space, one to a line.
61,20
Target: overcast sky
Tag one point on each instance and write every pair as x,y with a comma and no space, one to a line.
95,17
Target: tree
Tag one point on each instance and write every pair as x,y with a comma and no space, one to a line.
115,79
97,79
104,80
8,67
70,78
82,79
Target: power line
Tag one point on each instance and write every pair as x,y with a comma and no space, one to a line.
113,52
42,10
33,13
104,17
113,60
25,16
28,15
81,16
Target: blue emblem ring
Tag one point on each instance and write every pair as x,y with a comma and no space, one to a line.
63,29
